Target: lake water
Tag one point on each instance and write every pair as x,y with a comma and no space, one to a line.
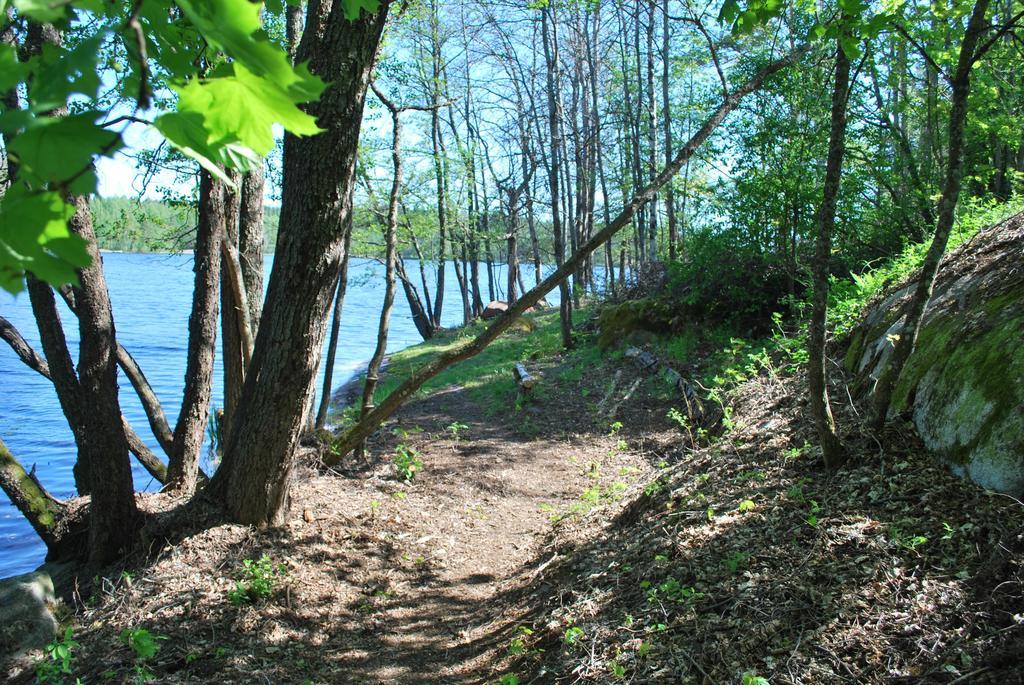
151,295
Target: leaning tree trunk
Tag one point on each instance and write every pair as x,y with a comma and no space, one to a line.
355,435
319,175
190,430
947,208
817,378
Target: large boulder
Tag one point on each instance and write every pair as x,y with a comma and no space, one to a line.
26,614
963,387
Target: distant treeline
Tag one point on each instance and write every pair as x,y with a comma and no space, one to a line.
130,225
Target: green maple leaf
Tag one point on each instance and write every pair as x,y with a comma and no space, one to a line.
46,11
59,149
244,107
187,131
235,27
34,236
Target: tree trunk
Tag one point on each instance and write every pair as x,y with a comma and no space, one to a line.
112,513
43,512
190,429
390,257
234,323
817,376
947,206
554,114
316,209
666,119
332,341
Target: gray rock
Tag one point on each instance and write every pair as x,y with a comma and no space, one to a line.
963,387
26,614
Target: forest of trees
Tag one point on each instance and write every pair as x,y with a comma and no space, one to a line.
753,150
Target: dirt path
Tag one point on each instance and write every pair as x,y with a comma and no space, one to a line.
387,581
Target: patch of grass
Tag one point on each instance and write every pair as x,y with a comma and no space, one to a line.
488,375
257,581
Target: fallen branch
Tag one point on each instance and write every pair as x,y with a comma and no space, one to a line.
524,380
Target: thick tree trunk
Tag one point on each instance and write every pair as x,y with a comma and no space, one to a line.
355,435
251,242
817,377
112,513
947,208
190,430
316,208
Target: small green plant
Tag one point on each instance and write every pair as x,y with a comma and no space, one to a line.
142,642
508,679
671,590
617,669
59,656
746,505
906,540
516,646
145,645
812,513
258,580
456,428
573,635
652,488
407,462
751,678
736,561
795,453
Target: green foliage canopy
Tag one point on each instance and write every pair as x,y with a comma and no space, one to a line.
215,80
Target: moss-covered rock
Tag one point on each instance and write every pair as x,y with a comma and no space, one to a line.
624,322
964,385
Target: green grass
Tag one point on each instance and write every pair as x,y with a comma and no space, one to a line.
849,297
488,375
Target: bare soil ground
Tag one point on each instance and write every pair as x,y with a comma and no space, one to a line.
386,581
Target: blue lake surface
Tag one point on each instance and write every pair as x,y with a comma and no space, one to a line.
151,295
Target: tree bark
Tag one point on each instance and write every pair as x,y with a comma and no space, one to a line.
817,376
390,257
190,430
42,511
316,208
112,512
234,315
